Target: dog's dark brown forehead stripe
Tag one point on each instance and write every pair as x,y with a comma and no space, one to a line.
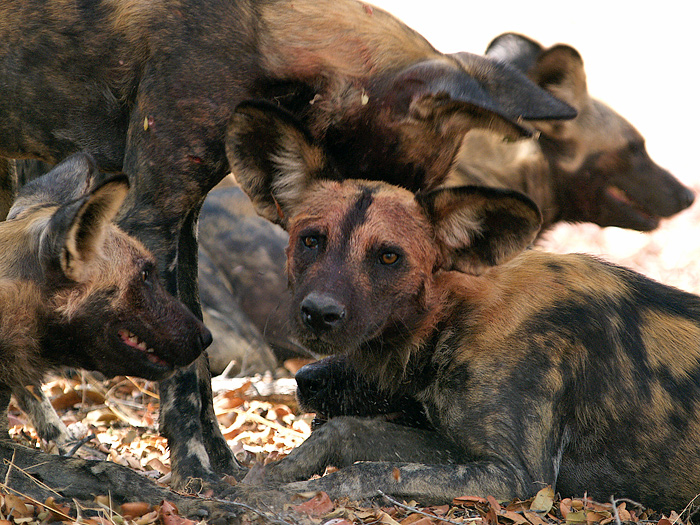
357,213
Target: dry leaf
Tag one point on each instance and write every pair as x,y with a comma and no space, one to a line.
411,519
534,518
422,520
513,516
385,519
169,515
134,510
623,513
469,501
577,516
317,506
543,501
593,516
14,505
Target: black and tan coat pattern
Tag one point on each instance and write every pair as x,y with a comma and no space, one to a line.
531,368
148,88
75,290
593,168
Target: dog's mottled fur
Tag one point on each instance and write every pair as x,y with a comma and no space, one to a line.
148,88
531,368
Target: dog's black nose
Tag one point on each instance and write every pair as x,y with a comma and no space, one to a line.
688,197
205,337
310,380
321,313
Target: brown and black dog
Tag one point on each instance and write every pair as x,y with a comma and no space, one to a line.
532,368
148,89
593,168
77,291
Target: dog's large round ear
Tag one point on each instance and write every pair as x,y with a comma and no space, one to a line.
273,158
75,233
559,70
71,179
479,227
516,50
435,102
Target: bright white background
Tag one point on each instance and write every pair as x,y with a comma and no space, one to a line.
641,58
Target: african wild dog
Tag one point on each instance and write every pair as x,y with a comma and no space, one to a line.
593,168
77,291
148,88
532,368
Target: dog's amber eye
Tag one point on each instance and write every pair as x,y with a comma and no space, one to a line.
146,274
310,241
389,258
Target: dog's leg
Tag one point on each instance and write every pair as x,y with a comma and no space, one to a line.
197,446
401,461
344,440
42,415
220,455
162,210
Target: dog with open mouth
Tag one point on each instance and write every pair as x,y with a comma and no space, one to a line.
80,292
77,291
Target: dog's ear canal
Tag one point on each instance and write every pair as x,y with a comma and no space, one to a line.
75,234
477,227
273,158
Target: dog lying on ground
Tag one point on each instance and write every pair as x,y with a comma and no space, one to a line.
532,368
593,168
77,291
148,88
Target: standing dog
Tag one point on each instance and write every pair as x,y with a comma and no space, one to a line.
77,291
148,88
593,168
532,368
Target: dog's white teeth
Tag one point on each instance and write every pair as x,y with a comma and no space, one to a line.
132,340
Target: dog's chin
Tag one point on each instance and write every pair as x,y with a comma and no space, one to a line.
325,346
624,212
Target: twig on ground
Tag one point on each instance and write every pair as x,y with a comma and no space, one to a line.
417,511
10,464
37,503
279,428
614,508
143,390
277,519
79,444
688,510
